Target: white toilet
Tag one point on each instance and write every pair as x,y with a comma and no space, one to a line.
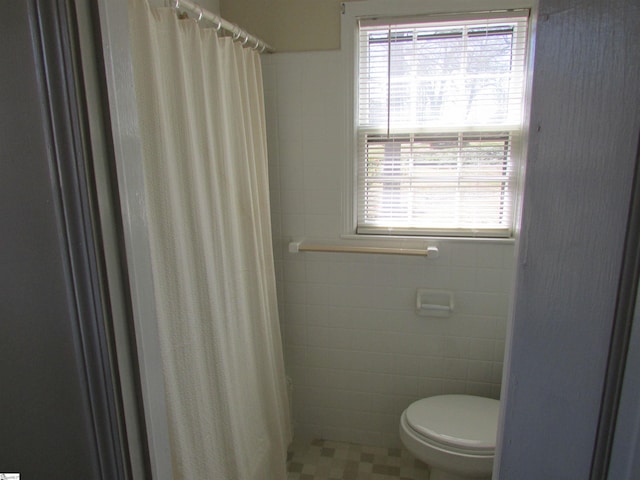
454,434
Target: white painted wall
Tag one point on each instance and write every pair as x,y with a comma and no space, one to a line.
357,352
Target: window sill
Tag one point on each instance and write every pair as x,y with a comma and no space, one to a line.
421,240
372,244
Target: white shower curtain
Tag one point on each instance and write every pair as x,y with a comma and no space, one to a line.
202,123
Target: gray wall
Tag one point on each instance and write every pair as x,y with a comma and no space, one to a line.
584,131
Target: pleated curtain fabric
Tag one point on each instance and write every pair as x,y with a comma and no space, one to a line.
202,121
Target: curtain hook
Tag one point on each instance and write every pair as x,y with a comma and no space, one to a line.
219,25
257,44
264,47
176,4
246,39
236,32
199,16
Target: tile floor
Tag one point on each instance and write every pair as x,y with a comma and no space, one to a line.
328,460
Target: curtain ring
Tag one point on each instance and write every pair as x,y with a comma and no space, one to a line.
257,44
236,32
264,47
176,4
246,39
199,16
218,26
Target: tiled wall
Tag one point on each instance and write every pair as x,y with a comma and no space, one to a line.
356,350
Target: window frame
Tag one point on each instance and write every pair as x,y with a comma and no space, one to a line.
352,13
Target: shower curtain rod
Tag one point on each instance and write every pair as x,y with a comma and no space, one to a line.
220,23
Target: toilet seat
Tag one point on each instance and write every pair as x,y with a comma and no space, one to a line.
460,423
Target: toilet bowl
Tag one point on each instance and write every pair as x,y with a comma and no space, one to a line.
455,435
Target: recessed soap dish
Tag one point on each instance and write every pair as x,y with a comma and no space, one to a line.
434,303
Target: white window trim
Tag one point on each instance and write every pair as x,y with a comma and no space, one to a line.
352,11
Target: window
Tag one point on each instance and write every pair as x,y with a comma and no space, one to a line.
439,123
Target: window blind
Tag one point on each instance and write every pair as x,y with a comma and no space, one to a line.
439,120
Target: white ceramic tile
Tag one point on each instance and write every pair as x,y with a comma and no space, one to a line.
291,176
432,367
429,387
364,381
269,74
290,155
353,342
414,344
375,341
293,226
279,271
275,209
405,385
366,421
295,335
343,379
382,403
314,126
294,312
292,201
492,280
295,292
474,326
322,202
317,294
464,254
481,349
509,257
450,386
341,359
480,389
480,371
490,255
317,336
294,272
455,347
437,277
335,398
399,275
361,401
496,372
444,254
464,278
342,338
317,357
294,355
317,272
372,361
318,174
455,368
477,303
407,365
289,126
321,226
289,90
495,391
317,314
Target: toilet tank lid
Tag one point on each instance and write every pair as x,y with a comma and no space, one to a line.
463,421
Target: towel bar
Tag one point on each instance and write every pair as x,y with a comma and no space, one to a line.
295,247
